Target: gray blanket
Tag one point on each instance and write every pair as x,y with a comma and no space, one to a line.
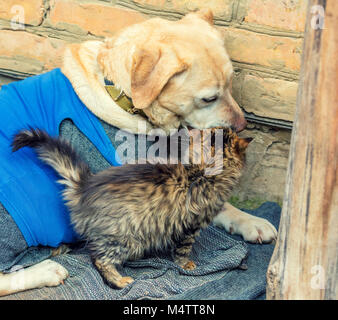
217,275
218,257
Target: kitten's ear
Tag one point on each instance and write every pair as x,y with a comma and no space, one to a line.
242,143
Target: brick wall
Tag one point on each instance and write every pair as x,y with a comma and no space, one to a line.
263,37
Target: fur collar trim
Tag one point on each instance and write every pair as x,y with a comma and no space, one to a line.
81,68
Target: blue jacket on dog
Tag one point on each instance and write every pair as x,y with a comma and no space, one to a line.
28,187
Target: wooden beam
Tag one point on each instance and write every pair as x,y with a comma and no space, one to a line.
304,262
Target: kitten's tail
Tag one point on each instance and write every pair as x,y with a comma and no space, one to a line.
60,155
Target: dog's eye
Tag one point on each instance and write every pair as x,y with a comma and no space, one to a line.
210,99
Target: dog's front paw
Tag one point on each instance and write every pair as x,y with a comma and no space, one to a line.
257,230
49,273
251,228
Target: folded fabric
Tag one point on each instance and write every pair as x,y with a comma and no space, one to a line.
218,257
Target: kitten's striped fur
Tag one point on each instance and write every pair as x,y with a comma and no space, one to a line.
125,212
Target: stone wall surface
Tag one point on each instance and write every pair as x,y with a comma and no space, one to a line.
264,39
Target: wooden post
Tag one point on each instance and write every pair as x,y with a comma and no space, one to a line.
304,262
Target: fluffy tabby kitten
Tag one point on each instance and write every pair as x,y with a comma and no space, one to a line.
125,212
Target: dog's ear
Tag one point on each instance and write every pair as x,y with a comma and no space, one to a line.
206,14
150,72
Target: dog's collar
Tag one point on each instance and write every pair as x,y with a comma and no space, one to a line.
121,99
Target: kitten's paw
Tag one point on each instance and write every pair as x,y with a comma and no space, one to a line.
63,249
190,265
123,282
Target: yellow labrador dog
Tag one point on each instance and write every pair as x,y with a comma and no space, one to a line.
179,74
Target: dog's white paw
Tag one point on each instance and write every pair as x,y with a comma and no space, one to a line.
49,273
257,230
251,228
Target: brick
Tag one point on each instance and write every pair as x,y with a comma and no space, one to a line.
266,97
222,9
280,53
286,15
96,18
27,53
33,10
266,164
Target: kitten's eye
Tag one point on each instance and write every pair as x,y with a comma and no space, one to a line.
210,99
